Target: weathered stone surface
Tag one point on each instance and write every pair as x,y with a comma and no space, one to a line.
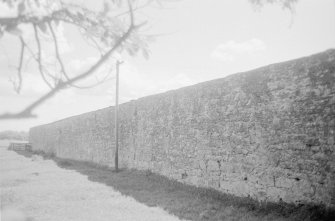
267,133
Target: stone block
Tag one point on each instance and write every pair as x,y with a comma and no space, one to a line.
213,165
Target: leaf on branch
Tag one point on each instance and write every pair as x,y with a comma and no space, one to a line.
37,2
14,30
106,34
106,9
80,16
135,47
103,40
43,27
130,52
21,7
56,21
145,54
9,3
118,3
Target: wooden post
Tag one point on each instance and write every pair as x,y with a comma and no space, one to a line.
116,160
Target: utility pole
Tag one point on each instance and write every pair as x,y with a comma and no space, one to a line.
118,63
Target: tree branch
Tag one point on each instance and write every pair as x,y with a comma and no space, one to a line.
27,112
57,50
95,45
33,55
135,9
17,87
39,57
60,61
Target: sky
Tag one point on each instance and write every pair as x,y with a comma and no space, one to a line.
196,41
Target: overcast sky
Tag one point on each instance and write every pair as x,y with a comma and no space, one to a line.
197,40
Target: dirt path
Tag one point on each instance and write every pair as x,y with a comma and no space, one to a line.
43,191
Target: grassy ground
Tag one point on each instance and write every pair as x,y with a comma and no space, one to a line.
189,202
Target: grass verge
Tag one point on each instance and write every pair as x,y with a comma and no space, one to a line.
189,202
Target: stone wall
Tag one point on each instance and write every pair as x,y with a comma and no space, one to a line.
267,133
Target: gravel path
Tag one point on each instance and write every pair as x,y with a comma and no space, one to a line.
41,190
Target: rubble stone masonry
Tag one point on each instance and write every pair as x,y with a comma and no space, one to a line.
267,133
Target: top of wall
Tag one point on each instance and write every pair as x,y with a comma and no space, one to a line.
251,80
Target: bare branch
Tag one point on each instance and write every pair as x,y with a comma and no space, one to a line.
27,112
59,59
99,82
96,45
285,4
39,57
131,13
135,9
33,56
17,86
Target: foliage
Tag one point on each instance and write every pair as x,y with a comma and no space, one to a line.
285,4
111,29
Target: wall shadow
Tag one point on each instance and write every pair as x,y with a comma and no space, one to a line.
185,201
